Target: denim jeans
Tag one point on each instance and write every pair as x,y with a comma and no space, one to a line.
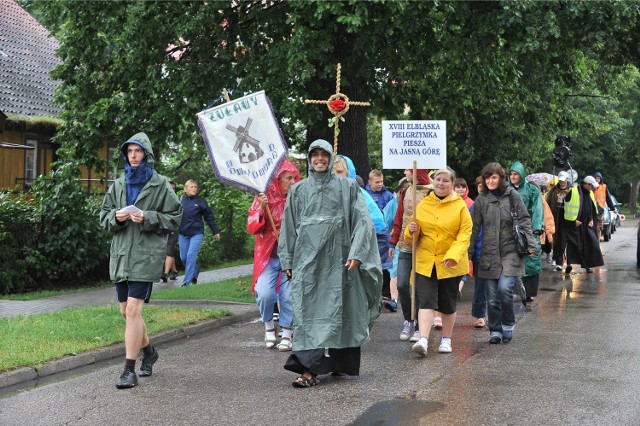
501,311
266,295
479,304
189,247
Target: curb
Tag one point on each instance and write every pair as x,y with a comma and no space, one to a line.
25,374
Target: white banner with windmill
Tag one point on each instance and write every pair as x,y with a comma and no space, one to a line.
244,141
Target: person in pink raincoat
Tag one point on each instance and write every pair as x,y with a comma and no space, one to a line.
269,282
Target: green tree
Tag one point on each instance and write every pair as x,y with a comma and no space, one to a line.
500,73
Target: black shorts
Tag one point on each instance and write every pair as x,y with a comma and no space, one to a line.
172,241
441,295
133,289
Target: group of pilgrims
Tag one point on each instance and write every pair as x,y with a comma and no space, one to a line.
331,253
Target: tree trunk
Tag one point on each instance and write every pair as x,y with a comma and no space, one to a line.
352,140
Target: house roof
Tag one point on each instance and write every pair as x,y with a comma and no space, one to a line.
27,56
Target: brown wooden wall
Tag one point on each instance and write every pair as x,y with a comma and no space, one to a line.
12,163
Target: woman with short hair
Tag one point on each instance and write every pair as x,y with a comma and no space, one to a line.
191,231
442,229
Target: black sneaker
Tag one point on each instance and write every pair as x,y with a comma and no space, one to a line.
164,278
128,379
146,369
391,305
568,269
173,276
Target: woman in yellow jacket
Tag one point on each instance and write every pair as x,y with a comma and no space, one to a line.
443,231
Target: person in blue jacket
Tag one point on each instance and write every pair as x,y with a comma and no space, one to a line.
191,231
343,166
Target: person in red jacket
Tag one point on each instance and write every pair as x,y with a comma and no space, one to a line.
269,282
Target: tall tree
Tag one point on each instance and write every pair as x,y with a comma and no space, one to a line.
498,72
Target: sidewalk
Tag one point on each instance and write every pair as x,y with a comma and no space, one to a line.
104,296
29,376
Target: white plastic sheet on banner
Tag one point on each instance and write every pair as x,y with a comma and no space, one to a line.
245,144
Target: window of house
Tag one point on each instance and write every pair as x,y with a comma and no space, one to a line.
31,163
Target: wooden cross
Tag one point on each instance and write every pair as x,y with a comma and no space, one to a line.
338,105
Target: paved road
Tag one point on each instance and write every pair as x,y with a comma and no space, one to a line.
573,361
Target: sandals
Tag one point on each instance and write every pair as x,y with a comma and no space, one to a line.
284,345
306,382
270,338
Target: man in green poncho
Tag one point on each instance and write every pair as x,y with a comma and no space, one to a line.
328,249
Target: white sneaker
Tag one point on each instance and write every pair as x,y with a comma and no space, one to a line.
420,347
445,347
415,337
549,258
406,330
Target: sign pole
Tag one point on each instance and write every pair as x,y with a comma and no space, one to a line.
414,240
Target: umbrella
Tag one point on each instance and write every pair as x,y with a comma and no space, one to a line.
540,178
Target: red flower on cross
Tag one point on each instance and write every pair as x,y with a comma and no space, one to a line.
337,105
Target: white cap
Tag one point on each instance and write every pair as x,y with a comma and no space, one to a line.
563,176
591,180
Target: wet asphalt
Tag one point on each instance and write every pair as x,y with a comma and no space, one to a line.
574,360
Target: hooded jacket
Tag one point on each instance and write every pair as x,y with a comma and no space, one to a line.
266,239
466,199
138,249
444,233
326,223
377,217
381,197
532,199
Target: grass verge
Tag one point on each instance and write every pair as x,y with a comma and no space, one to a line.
231,290
34,339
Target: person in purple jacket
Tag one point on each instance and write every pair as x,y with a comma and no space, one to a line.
191,231
375,187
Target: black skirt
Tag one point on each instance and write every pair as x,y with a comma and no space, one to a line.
344,361
583,247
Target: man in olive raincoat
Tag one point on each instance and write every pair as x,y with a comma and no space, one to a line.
328,248
139,245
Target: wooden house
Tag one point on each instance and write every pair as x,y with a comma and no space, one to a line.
28,117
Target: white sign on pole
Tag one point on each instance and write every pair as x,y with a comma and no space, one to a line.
424,141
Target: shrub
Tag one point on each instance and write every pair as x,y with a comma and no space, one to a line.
230,207
17,234
70,242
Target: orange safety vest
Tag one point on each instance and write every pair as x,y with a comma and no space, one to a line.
601,195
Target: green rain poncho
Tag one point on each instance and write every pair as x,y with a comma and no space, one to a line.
533,201
325,223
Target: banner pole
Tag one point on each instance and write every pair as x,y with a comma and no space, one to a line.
273,225
414,239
